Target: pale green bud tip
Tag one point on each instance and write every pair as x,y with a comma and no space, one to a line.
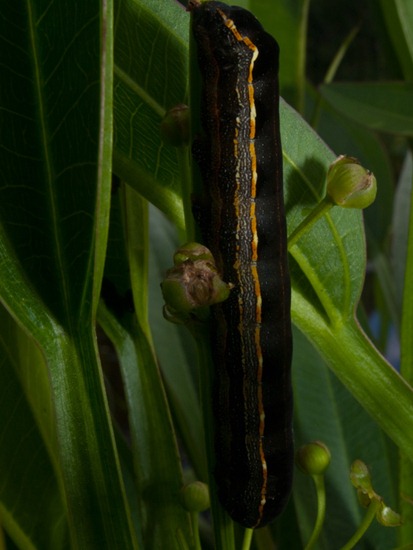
193,251
360,477
349,184
388,517
175,126
313,458
195,497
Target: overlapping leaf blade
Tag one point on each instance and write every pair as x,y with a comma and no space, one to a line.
54,200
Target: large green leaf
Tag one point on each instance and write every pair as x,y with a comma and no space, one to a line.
56,105
150,76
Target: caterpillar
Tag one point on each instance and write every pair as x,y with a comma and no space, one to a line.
243,224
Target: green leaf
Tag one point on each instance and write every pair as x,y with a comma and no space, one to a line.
162,520
23,456
381,106
329,260
400,224
54,205
406,362
398,16
327,271
349,137
143,90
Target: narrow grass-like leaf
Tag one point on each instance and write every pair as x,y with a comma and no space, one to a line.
398,16
406,367
400,224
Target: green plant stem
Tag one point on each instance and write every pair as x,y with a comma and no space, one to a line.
302,57
365,524
321,510
405,533
147,186
185,172
195,526
318,212
223,526
246,543
334,65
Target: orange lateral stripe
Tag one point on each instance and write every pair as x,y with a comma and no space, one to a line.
254,249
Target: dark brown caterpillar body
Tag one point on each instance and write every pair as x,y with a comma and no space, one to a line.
244,227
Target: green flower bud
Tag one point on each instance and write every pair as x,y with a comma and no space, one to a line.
195,497
349,184
360,478
388,517
313,458
176,295
175,126
192,285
